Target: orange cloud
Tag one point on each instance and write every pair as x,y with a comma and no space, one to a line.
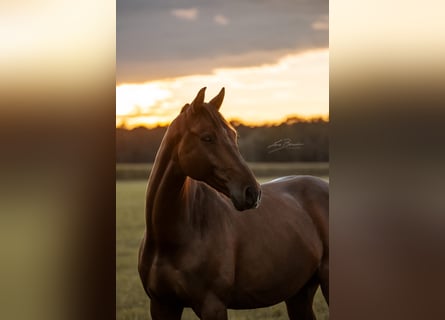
185,14
321,24
221,20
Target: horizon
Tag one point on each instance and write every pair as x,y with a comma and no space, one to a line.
288,120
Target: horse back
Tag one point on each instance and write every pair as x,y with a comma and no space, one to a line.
312,194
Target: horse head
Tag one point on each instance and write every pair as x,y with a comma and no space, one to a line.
208,151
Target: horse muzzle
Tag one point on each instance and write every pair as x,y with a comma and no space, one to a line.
250,198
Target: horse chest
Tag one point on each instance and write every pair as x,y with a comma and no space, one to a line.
186,276
164,278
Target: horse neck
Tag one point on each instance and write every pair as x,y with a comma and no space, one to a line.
164,217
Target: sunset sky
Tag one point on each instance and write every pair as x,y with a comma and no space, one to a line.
271,56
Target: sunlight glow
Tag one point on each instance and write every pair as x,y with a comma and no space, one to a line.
297,84
137,99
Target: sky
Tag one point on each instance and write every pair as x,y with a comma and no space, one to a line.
271,56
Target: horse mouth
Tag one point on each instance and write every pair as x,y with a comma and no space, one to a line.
251,200
242,199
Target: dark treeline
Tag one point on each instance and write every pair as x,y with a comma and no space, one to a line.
256,144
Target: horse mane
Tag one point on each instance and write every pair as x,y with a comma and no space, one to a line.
185,107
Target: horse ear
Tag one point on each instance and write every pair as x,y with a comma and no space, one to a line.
218,99
199,100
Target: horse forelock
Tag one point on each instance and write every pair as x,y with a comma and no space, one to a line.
209,113
215,116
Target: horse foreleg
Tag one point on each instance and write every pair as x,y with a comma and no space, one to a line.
164,311
213,309
299,307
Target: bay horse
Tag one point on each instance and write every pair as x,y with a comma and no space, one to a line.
200,251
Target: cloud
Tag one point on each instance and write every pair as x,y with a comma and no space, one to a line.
158,38
321,23
185,14
221,20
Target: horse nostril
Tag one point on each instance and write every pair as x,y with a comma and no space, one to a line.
251,196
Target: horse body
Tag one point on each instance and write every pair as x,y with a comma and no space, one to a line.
278,246
199,251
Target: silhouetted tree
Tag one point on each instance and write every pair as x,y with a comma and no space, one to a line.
141,144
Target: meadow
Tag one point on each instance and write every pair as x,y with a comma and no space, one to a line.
131,300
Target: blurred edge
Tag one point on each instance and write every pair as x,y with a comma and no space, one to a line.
387,224
57,203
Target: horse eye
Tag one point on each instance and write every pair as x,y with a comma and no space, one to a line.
207,138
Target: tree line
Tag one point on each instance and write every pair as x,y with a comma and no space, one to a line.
293,140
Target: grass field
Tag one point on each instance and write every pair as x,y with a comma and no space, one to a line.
131,301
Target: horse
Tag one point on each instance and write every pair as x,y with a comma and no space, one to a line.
215,239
